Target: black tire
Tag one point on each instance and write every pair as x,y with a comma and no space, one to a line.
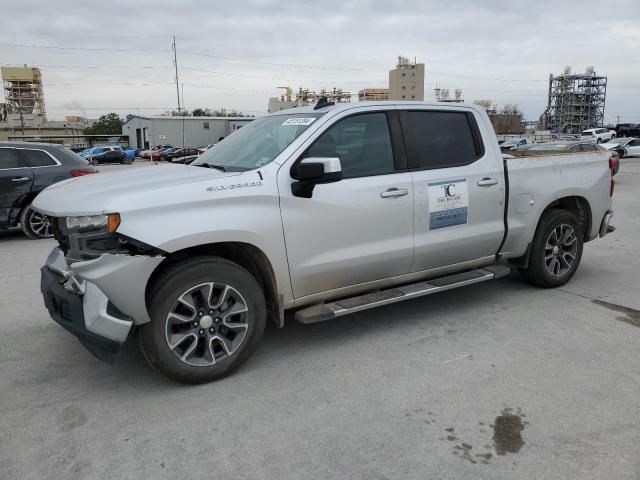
163,299
538,273
34,225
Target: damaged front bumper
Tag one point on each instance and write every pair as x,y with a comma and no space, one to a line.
98,300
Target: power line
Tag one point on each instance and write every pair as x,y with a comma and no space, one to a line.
185,52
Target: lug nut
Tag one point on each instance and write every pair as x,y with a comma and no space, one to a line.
201,332
195,324
212,330
217,320
200,314
210,312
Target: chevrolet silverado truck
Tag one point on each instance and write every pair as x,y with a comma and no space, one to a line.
320,211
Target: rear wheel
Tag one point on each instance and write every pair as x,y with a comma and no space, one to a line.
34,224
207,317
556,249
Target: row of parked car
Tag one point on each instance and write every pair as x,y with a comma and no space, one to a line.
118,154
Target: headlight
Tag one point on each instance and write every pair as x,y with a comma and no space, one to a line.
108,223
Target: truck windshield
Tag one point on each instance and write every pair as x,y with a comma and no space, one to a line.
256,144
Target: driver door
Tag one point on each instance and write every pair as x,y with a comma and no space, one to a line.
359,229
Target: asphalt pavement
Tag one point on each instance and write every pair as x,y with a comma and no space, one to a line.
499,380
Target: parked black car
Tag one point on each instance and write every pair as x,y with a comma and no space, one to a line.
25,170
181,152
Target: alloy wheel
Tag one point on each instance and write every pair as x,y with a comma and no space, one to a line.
560,250
39,224
207,324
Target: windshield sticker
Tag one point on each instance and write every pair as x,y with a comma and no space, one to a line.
448,204
299,121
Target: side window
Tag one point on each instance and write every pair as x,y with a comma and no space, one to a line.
634,143
37,158
9,158
362,143
439,139
588,148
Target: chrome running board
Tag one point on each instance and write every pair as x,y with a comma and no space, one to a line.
329,311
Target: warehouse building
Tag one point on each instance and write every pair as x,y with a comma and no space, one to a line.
145,132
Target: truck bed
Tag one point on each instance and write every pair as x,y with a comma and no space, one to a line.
537,180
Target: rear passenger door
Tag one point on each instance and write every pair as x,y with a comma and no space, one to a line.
15,181
458,185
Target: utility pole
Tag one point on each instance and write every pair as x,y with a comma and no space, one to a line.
175,64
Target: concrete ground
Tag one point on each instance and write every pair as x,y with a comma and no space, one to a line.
495,381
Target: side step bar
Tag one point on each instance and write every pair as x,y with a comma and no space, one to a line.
329,311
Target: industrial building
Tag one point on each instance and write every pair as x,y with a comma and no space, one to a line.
575,101
373,94
23,115
442,95
145,132
304,96
406,81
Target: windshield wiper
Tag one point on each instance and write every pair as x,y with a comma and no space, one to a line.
209,165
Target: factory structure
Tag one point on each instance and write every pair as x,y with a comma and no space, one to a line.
406,82
23,115
576,101
304,96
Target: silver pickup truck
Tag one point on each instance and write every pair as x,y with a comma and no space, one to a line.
322,211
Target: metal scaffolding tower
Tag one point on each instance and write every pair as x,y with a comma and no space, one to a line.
576,101
23,90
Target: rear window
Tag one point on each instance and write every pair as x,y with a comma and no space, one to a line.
587,133
38,158
439,139
9,158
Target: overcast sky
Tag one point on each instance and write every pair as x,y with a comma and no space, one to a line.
499,50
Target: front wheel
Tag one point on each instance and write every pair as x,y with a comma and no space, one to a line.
207,317
556,249
34,224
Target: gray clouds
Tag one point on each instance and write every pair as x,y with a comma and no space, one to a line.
484,40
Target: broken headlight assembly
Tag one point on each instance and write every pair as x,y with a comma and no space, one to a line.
89,236
107,223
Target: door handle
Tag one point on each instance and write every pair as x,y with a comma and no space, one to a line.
487,182
394,192
20,179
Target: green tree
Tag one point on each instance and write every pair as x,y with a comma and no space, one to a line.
199,112
106,124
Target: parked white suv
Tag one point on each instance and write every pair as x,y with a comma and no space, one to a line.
599,135
322,211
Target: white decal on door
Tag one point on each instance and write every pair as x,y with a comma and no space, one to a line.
448,203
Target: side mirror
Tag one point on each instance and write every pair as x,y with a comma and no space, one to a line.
313,171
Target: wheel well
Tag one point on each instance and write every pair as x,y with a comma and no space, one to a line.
247,256
579,206
18,206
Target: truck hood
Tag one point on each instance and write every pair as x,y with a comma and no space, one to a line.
104,192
